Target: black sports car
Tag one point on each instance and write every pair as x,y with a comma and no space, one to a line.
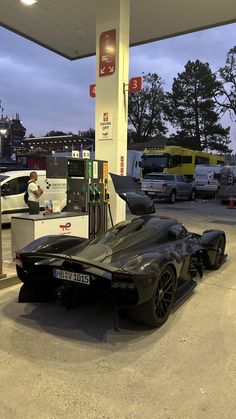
145,265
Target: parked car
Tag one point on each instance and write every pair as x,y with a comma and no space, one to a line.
14,185
168,186
206,178
227,189
146,265
133,160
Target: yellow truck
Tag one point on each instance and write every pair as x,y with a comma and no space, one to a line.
175,159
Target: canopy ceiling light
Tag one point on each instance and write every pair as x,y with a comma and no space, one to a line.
28,2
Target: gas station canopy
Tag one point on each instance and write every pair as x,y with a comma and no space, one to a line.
68,27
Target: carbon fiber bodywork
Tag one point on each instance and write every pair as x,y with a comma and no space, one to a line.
133,252
147,264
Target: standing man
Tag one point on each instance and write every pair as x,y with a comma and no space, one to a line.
34,192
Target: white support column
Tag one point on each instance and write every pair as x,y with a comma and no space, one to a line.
111,101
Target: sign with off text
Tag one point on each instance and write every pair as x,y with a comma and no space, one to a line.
105,126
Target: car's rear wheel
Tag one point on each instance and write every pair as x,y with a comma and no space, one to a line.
172,197
219,255
156,311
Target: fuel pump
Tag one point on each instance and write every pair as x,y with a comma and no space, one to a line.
87,190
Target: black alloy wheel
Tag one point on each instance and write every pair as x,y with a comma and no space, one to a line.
220,252
219,255
164,294
172,197
156,311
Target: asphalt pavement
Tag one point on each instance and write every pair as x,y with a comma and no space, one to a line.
72,364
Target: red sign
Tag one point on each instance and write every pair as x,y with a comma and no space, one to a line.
65,227
135,84
105,117
92,90
107,53
122,165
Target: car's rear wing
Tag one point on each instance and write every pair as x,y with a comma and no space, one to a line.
82,261
128,190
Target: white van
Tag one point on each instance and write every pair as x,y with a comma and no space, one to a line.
227,184
133,159
206,178
13,187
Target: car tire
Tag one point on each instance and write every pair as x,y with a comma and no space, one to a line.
172,197
219,255
156,311
192,196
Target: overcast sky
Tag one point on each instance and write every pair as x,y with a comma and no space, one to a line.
51,93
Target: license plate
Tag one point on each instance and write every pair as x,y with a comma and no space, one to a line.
71,276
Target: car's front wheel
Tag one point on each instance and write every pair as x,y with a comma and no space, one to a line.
156,311
219,255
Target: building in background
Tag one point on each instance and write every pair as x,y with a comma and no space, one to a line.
55,144
32,152
12,133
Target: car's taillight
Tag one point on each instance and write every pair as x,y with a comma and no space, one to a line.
164,187
18,260
122,280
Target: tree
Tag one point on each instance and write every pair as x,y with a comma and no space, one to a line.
191,109
55,133
90,133
227,76
145,109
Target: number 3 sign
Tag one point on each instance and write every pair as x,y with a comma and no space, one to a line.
135,84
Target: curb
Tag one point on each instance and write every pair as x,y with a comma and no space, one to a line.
9,282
